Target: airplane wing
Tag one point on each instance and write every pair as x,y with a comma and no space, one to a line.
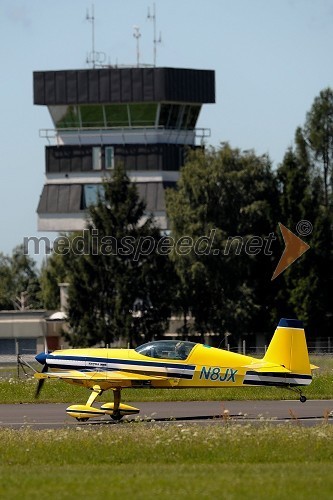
113,379
70,374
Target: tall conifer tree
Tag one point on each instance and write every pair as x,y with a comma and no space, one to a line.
115,291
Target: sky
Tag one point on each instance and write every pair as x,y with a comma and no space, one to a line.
271,59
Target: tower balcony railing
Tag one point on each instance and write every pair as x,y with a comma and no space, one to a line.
124,135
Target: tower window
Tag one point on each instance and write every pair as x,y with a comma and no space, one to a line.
96,158
92,116
92,193
116,115
143,114
109,158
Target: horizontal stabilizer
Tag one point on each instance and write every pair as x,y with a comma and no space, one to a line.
272,378
264,366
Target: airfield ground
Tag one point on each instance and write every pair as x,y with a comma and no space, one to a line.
227,460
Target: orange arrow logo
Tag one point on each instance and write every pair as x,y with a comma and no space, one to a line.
294,248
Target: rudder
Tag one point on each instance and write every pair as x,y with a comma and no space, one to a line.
288,347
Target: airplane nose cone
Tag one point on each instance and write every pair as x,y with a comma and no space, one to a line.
41,358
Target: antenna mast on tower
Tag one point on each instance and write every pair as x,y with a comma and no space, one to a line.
137,35
152,17
93,57
91,19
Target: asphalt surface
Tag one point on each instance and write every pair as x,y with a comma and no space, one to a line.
53,416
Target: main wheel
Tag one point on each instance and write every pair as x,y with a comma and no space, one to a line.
116,415
82,419
302,399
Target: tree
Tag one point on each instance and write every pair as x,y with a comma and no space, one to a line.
305,189
294,178
19,281
224,193
306,286
52,273
318,133
7,293
119,269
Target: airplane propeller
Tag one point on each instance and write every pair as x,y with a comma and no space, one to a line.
41,381
41,358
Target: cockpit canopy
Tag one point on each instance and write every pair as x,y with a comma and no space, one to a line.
166,349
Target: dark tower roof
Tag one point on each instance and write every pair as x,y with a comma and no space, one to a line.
124,85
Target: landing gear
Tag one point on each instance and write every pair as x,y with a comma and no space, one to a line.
115,410
82,413
96,391
118,410
116,415
302,398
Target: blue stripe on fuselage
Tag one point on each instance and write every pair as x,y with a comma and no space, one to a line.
120,361
147,371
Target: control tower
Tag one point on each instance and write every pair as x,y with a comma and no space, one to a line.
141,117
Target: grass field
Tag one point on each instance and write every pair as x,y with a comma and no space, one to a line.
22,391
179,461
14,390
136,461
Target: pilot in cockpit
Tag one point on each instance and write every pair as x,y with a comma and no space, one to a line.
180,350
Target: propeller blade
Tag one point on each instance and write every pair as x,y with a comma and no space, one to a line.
39,387
41,381
46,350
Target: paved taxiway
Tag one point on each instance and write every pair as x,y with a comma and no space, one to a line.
52,416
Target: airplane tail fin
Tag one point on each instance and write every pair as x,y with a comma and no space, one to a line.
288,347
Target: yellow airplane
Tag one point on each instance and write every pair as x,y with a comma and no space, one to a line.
174,364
